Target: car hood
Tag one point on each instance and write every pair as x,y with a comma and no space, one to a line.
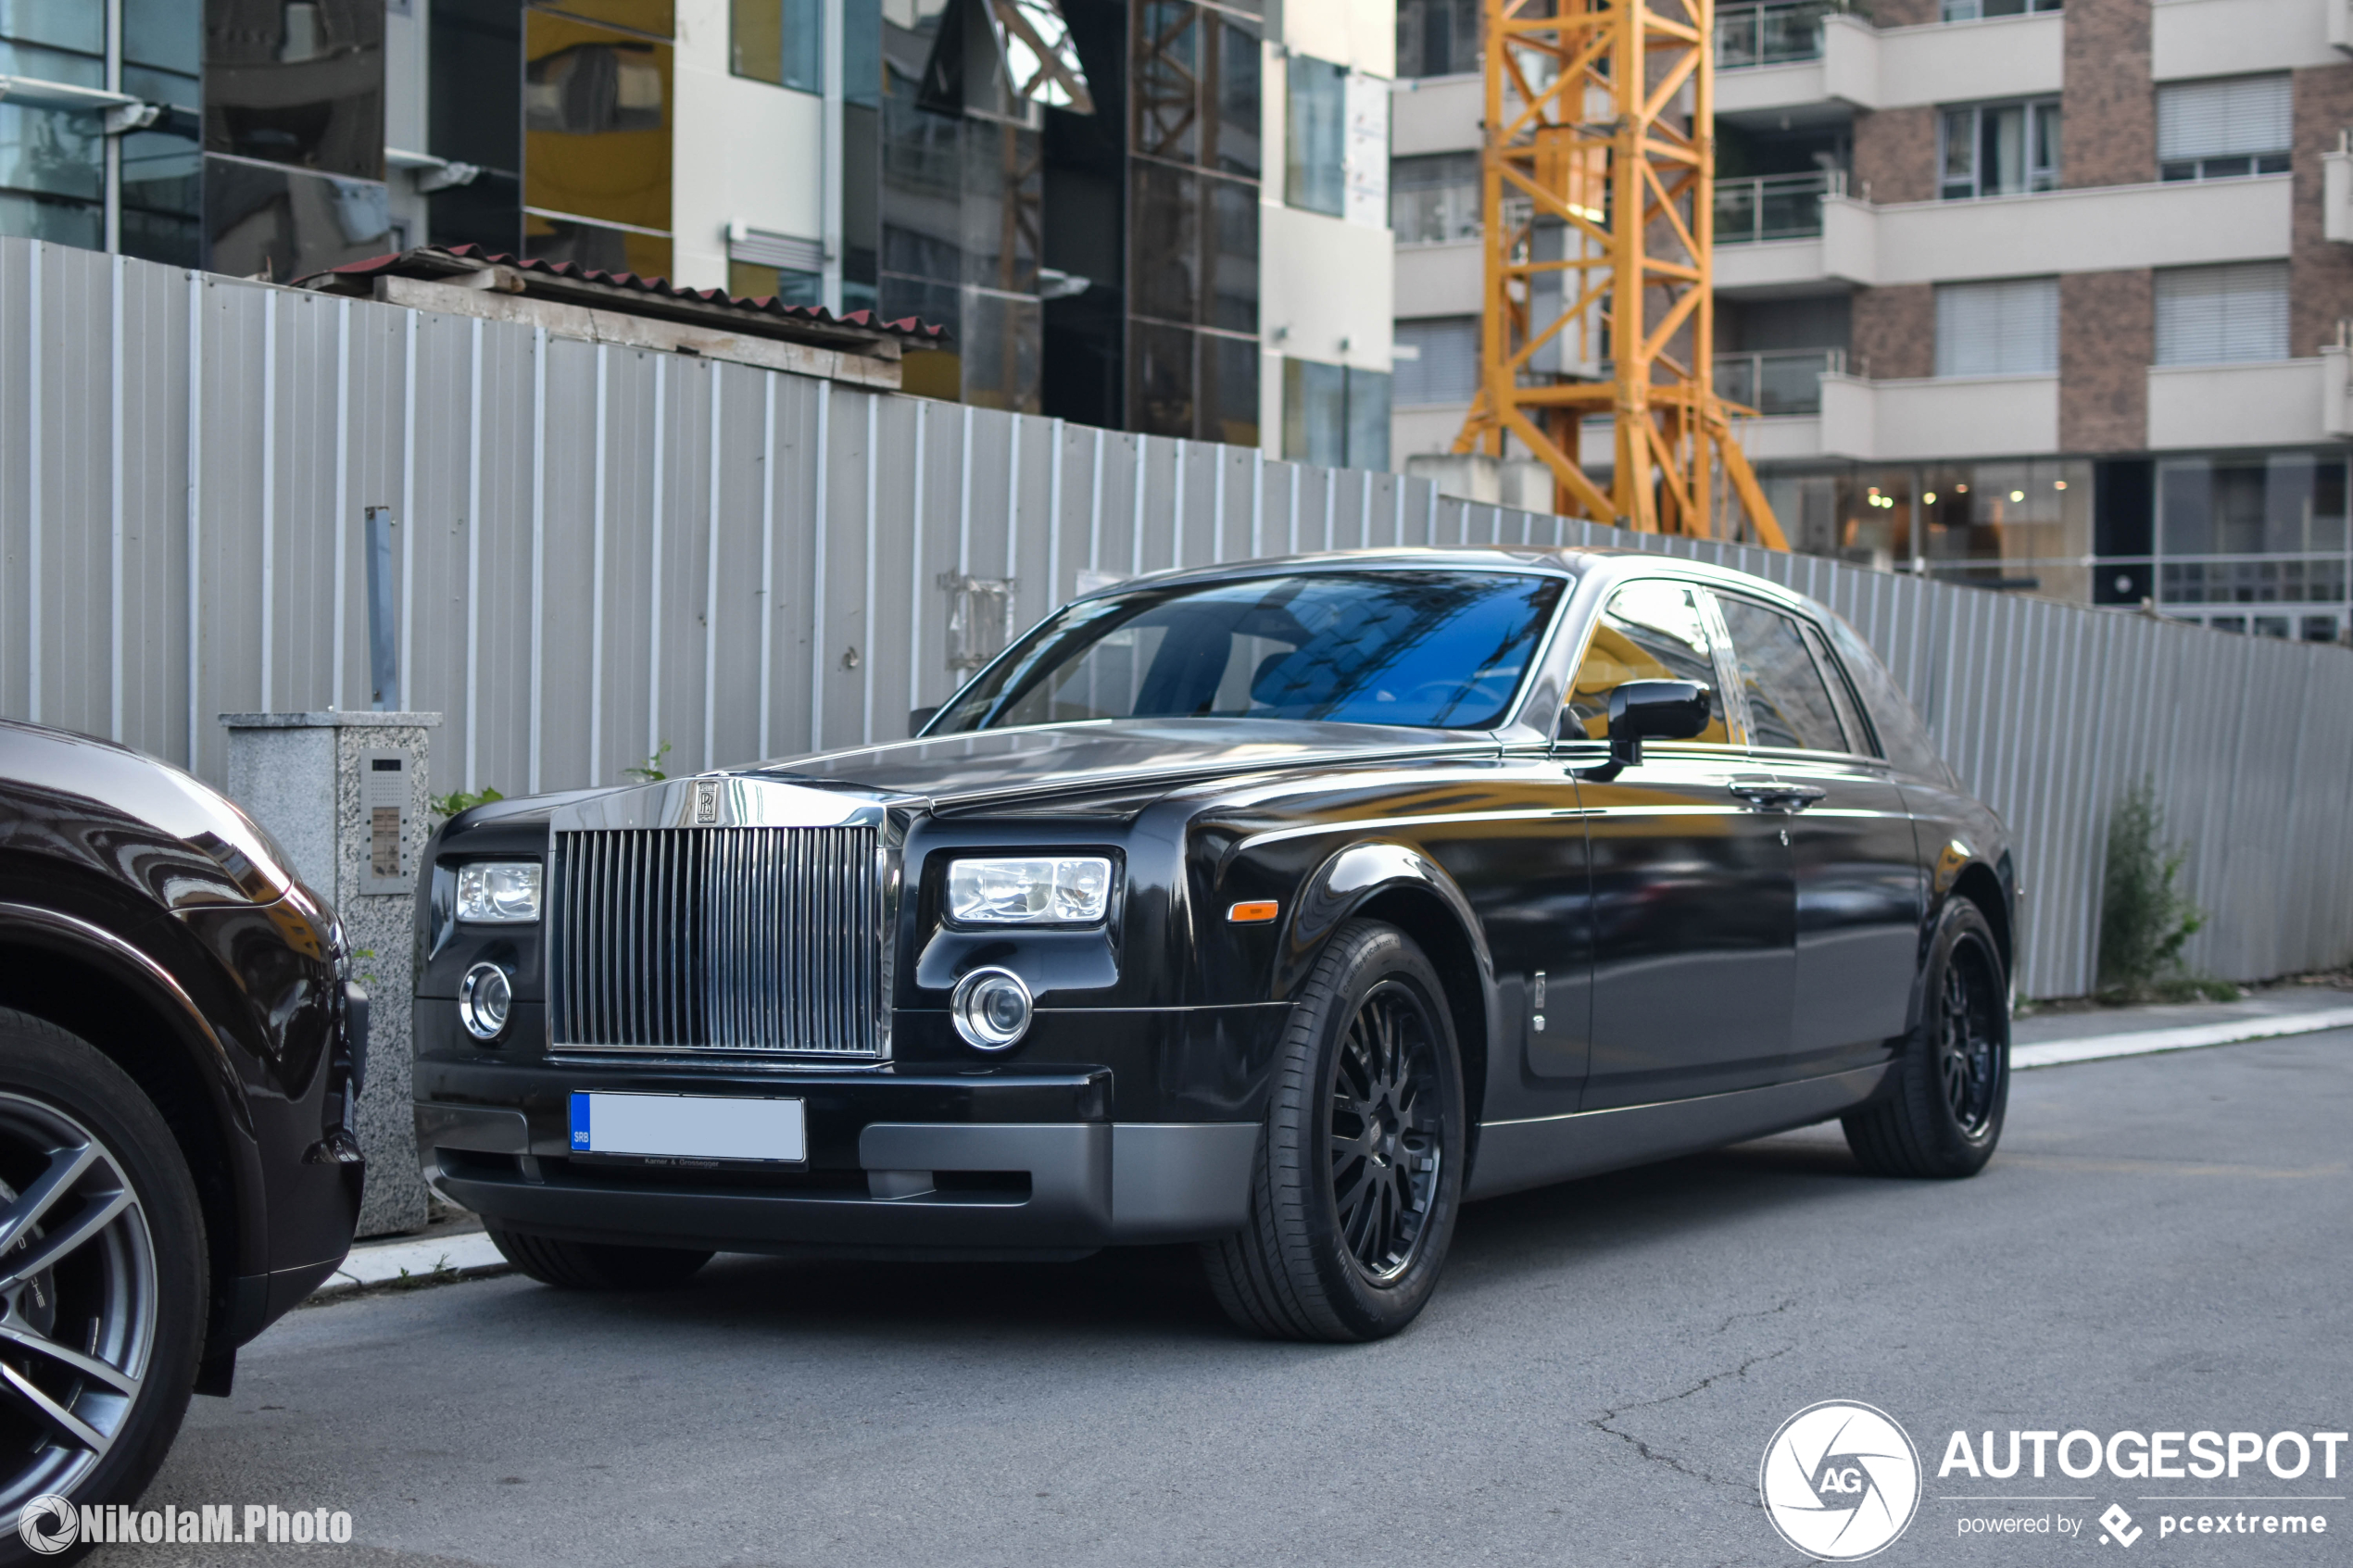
970,769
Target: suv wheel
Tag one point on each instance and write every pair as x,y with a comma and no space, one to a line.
1943,1113
103,1276
591,1265
1359,1174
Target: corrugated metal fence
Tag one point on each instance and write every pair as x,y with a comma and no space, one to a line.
600,551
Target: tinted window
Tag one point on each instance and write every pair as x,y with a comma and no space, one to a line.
1788,704
1433,649
1902,739
1843,697
1650,632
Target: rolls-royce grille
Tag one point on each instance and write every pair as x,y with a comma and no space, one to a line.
756,939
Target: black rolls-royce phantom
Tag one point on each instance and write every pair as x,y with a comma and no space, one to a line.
1281,908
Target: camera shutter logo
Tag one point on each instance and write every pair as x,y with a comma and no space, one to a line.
1840,1480
48,1524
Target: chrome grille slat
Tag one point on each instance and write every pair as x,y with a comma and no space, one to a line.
718,938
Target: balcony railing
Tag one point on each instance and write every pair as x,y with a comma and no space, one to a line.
1785,381
1768,35
1769,206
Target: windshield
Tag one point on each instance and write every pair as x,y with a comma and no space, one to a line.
1434,650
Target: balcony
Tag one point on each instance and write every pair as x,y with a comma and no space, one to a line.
1782,383
1939,417
1769,206
2093,228
1768,35
2263,404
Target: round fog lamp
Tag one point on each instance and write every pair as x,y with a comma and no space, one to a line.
484,997
991,1008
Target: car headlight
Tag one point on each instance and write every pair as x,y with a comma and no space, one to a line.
1039,890
498,892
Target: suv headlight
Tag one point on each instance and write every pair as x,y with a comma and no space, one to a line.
498,892
1034,890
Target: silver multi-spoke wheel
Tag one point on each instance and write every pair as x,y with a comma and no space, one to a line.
79,1301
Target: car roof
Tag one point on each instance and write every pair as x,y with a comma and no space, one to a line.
1575,562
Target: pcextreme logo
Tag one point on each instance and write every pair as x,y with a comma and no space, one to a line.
1840,1480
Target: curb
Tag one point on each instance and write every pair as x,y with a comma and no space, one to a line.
412,1264
2148,1041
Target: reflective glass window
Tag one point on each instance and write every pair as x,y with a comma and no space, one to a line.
1437,37
1161,386
286,223
1166,263
1314,137
1650,631
1233,255
1431,649
1315,413
308,90
779,41
1233,101
1167,79
1789,705
596,145
1229,389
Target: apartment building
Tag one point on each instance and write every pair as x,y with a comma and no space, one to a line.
1163,216
2043,299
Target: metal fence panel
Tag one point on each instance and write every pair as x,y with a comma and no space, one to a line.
602,551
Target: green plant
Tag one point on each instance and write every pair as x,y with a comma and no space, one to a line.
650,770
447,806
2146,916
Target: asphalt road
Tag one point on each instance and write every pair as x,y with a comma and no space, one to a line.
2163,1243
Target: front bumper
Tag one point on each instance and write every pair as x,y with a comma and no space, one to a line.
934,1162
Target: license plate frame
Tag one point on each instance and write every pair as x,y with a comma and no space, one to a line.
696,1129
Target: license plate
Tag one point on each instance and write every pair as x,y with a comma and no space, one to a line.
689,1127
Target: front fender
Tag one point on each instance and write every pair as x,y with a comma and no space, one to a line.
1352,878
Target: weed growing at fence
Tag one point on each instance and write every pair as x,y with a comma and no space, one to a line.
2146,916
447,806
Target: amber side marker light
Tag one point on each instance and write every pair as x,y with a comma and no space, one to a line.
1252,914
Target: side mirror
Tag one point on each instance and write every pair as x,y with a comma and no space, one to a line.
1640,711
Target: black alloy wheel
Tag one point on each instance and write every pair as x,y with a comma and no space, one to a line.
1941,1114
101,1277
1386,1147
1358,1176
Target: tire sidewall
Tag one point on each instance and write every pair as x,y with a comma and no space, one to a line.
65,1073
1962,925
1375,953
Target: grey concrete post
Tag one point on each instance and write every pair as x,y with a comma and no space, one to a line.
347,794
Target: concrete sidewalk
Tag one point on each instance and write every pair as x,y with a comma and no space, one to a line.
2043,1039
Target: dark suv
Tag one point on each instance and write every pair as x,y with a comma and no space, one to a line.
180,1048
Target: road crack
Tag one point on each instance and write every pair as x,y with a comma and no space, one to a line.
1745,1489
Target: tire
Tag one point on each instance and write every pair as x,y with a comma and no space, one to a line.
1345,1243
1943,1113
593,1265
106,1249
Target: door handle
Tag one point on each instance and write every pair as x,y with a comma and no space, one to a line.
1796,798
1773,795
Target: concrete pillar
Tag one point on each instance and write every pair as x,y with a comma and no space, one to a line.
346,794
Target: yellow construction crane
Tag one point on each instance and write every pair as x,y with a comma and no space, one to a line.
1599,200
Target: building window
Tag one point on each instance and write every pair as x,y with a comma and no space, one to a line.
1334,416
2214,129
1998,149
1438,362
1971,10
1437,38
597,148
1315,137
1434,199
2221,315
779,40
52,170
162,178
2002,329
1768,35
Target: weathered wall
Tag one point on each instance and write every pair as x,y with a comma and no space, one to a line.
2108,339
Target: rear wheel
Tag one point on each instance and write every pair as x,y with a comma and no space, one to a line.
1944,1113
592,1265
103,1280
1359,1174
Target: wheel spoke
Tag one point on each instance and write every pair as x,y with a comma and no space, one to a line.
88,1366
65,1167
46,1253
66,1423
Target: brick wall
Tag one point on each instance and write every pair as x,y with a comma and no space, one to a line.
1895,156
1893,333
2319,270
2106,340
2109,135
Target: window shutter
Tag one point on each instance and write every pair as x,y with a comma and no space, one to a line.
2002,329
2230,117
2221,315
1448,369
